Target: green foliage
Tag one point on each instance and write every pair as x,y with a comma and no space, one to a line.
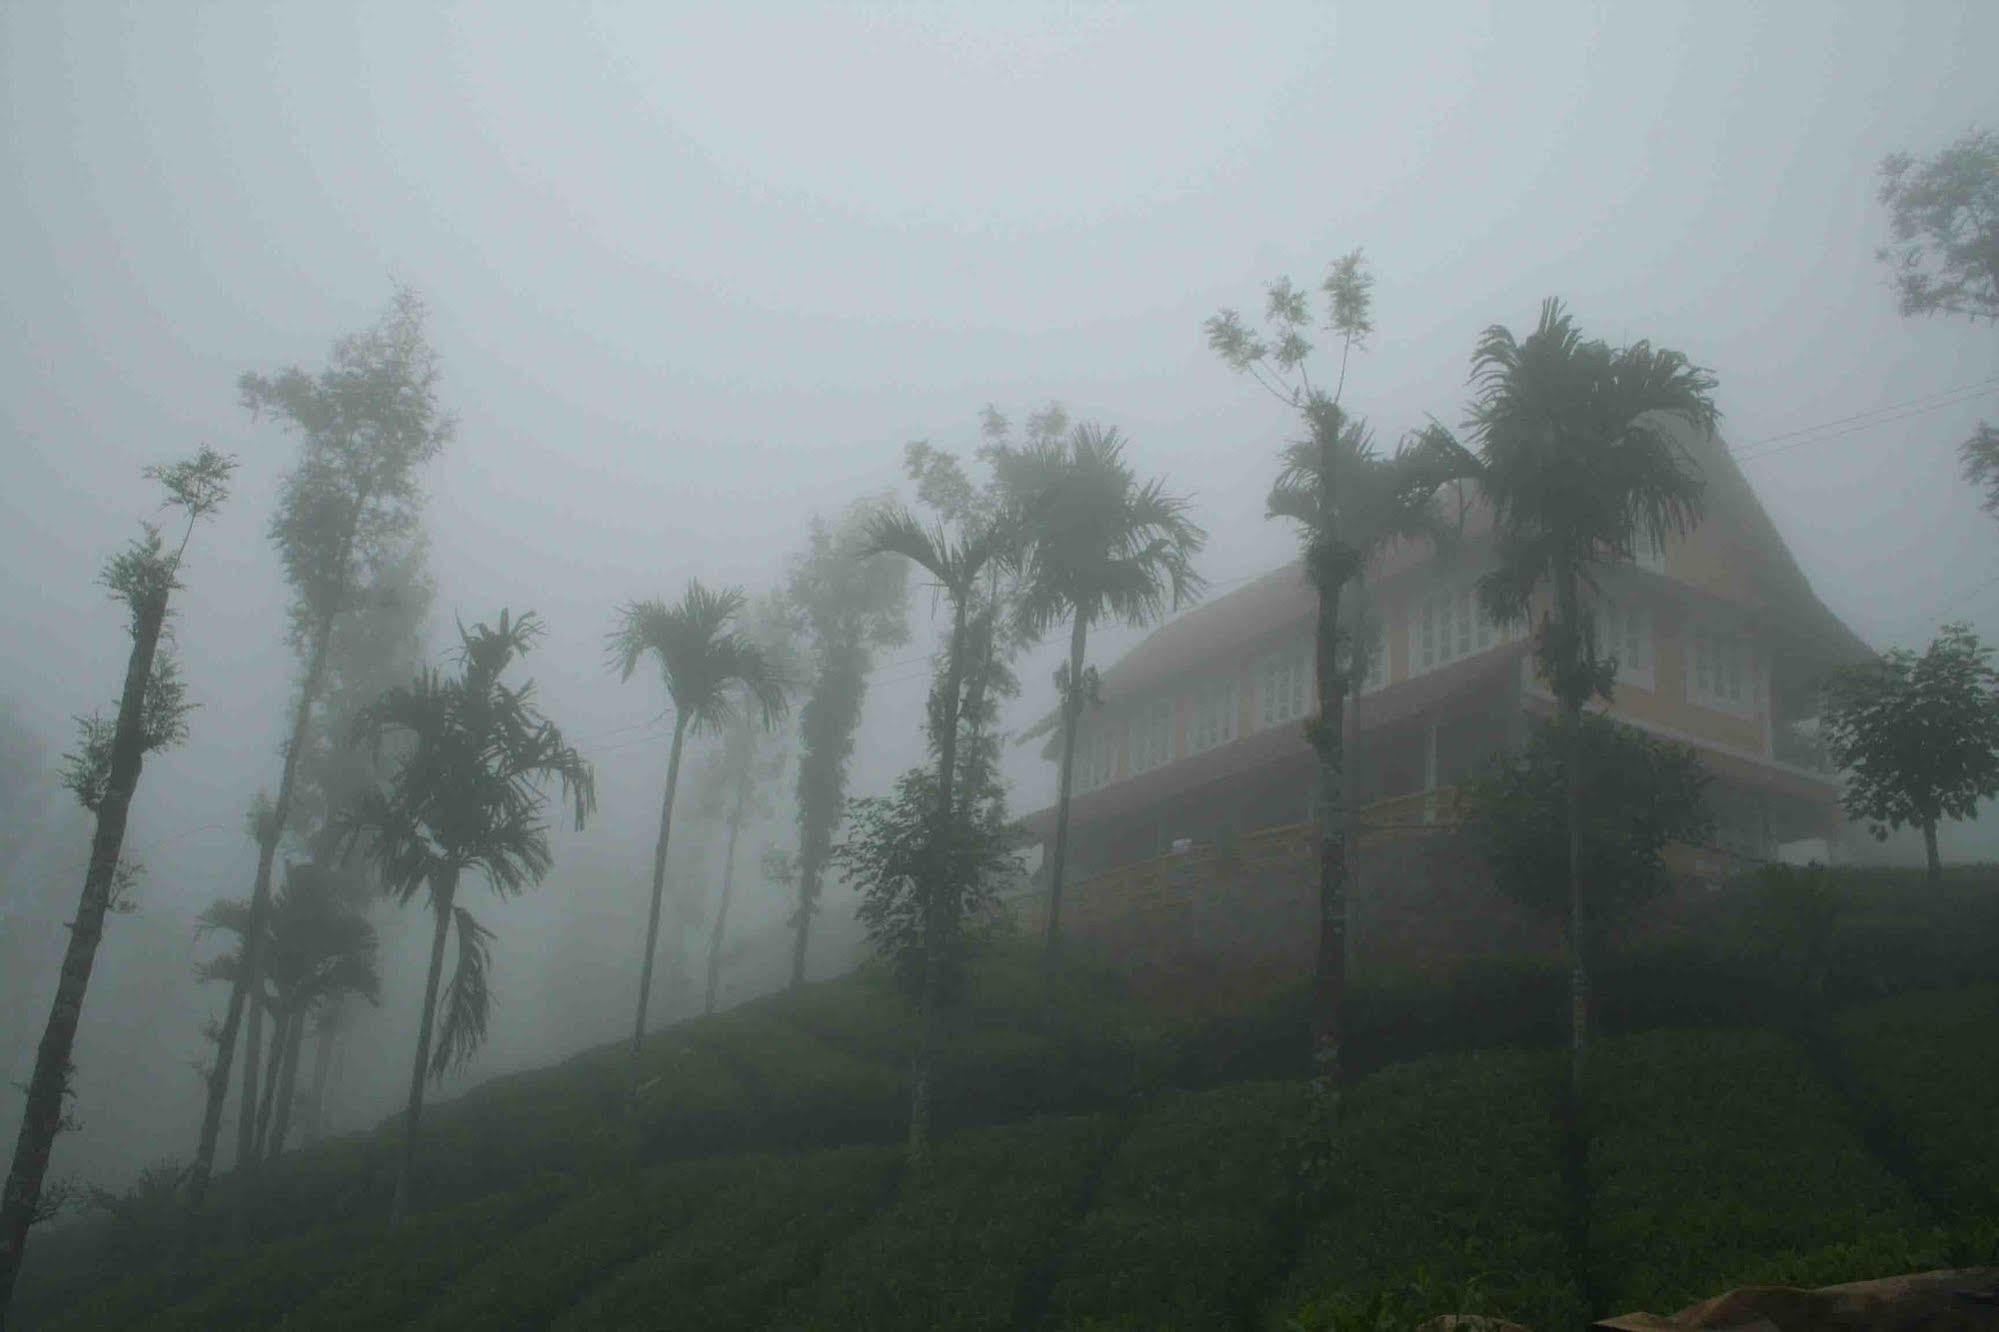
806,1091
957,1250
1447,1174
86,771
755,1246
536,1274
1719,1159
1639,793
710,669
1941,209
1190,1223
1926,1059
1918,736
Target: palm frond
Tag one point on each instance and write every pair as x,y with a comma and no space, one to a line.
468,999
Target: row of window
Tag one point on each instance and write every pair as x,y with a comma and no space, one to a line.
1449,627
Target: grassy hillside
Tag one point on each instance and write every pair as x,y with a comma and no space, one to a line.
1100,1169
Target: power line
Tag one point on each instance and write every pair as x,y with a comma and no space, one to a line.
1880,416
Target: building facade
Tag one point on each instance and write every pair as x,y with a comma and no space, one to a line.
1720,641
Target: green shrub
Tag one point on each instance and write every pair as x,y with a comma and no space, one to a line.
806,1092
957,1250
1928,1061
1447,1177
544,1269
1189,1222
1718,1159
753,1249
397,1277
263,1284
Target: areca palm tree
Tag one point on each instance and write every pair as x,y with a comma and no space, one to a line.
1096,546
1579,458
957,562
711,672
469,795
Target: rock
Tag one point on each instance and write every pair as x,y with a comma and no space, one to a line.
1962,1300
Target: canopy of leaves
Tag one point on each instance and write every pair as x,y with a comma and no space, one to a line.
1639,794
1093,542
710,670
318,947
86,769
1579,457
1944,211
1917,735
367,423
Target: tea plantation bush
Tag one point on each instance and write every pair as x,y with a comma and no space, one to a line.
1719,1159
753,1249
1190,1222
961,1249
1448,1175
804,1091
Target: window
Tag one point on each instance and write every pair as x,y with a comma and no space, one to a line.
1214,716
1096,759
1152,735
1282,685
1650,555
1448,626
1721,673
1624,631
1375,674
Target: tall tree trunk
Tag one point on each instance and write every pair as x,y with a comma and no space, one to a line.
42,1116
287,1086
322,1070
442,895
933,914
1072,711
280,1039
1330,973
808,895
728,890
1569,599
658,891
1935,877
260,905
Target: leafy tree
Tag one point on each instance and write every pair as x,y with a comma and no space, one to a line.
1095,546
1918,736
1643,794
734,784
103,774
1944,213
710,672
957,560
469,795
367,423
1349,503
1578,456
848,607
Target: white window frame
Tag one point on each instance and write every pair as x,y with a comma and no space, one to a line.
1376,647
1152,736
1624,631
1215,713
1096,759
1283,686
1722,671
1649,555
1450,624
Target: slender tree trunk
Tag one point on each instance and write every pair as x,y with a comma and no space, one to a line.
287,1086
933,909
442,894
322,1068
1353,753
728,889
260,905
42,1117
808,895
1330,974
1935,878
1072,712
658,891
280,1039
1572,796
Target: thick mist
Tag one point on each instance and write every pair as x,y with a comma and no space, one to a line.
694,280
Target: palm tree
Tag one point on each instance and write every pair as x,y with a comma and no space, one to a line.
1578,456
1349,504
468,795
710,671
1095,547
957,564
317,950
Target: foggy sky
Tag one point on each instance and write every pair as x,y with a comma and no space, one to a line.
697,277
